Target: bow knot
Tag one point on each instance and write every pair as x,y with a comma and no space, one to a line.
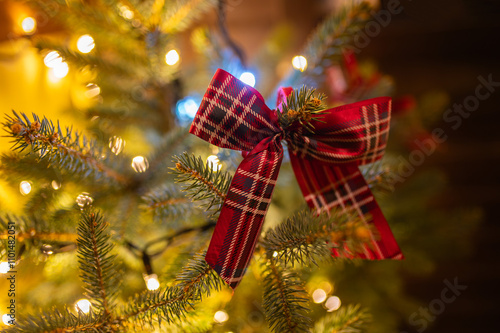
234,115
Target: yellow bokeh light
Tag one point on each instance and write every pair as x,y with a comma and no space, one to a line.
172,57
319,296
85,44
7,319
221,316
25,187
52,59
140,164
152,282
83,305
28,25
213,162
4,267
332,303
299,63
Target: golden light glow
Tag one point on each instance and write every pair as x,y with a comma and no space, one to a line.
52,59
6,318
85,44
221,316
172,57
116,144
28,25
332,303
55,185
25,187
152,282
83,305
58,72
299,63
92,90
140,164
275,254
4,267
126,12
84,199
214,163
319,296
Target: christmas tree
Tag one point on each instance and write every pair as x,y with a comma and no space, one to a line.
119,201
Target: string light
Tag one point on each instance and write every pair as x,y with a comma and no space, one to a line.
7,319
125,12
92,90
275,254
152,282
4,267
83,305
213,162
140,164
55,185
28,25
85,44
332,303
116,144
221,316
299,63
59,71
84,199
326,286
52,59
172,57
25,187
319,296
186,109
248,78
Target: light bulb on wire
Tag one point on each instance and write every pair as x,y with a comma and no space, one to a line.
248,78
85,43
28,25
172,57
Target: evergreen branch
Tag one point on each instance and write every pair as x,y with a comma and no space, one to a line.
63,150
205,183
302,106
350,319
95,261
285,300
305,238
58,322
195,280
333,35
379,177
183,13
166,202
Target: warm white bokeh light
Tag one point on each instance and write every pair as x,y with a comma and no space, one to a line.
83,305
85,44
59,71
52,59
93,90
6,318
140,164
332,303
4,267
299,63
55,185
152,282
172,57
221,316
319,296
25,187
28,25
213,162
248,78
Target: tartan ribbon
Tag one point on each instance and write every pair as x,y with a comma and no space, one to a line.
234,115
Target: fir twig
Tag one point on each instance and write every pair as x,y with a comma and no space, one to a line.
166,202
64,150
204,182
197,279
336,33
302,106
349,319
305,238
285,300
96,262
180,15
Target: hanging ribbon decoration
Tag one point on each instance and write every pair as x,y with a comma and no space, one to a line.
233,115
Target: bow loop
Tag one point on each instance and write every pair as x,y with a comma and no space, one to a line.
233,115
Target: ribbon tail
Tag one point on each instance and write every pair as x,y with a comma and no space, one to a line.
242,215
325,186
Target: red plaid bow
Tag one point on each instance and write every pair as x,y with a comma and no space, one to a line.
233,115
